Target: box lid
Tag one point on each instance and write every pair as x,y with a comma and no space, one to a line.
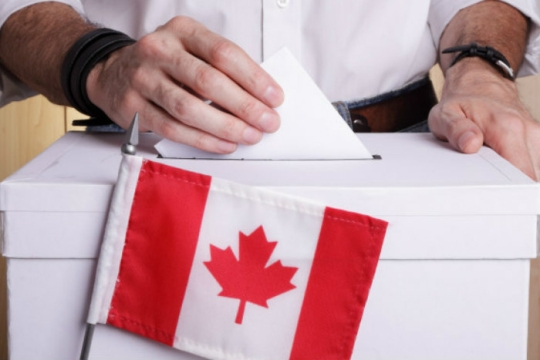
418,177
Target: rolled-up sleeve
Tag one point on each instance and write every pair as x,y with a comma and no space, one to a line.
11,89
442,11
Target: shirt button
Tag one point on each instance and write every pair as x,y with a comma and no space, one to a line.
283,3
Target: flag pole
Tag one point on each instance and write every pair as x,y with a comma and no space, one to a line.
88,335
128,148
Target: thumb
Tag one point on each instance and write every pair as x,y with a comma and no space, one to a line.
454,127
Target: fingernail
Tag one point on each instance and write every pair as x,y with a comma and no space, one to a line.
251,135
269,122
226,147
273,96
465,140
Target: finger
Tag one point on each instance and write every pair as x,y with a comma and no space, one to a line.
210,83
190,110
536,165
233,61
522,160
454,127
509,138
533,141
166,126
506,137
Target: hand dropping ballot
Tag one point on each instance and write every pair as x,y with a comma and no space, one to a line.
311,129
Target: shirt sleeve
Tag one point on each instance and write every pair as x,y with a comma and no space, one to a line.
442,11
11,88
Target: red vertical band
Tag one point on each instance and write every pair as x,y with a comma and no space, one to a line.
161,240
343,268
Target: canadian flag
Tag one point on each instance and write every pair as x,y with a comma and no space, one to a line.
229,271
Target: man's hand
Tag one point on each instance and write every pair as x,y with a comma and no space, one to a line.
480,106
171,75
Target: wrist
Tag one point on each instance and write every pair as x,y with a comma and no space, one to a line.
95,85
88,51
472,69
474,77
490,55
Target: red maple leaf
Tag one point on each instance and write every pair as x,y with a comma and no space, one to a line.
248,278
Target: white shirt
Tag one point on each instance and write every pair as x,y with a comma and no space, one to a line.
353,49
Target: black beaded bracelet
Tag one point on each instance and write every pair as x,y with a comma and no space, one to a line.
487,53
87,51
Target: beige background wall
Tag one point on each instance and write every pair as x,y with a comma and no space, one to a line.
28,127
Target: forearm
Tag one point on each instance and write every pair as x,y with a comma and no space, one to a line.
479,105
34,42
488,23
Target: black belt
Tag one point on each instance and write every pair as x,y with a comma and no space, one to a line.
390,112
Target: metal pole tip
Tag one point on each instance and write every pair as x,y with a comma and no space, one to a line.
130,147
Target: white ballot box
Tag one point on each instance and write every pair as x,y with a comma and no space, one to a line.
452,282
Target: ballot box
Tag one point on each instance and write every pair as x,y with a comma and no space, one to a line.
453,281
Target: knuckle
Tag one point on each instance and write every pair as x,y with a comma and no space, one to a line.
434,114
257,80
164,95
435,122
178,104
182,27
228,129
150,46
221,52
124,103
201,141
139,78
184,110
249,109
167,129
177,22
205,78
182,23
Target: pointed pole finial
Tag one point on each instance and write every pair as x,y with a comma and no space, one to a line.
130,147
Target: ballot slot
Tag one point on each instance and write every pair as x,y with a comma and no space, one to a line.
373,157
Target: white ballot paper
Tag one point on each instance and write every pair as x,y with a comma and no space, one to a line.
311,129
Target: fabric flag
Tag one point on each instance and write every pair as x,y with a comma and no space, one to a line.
229,271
